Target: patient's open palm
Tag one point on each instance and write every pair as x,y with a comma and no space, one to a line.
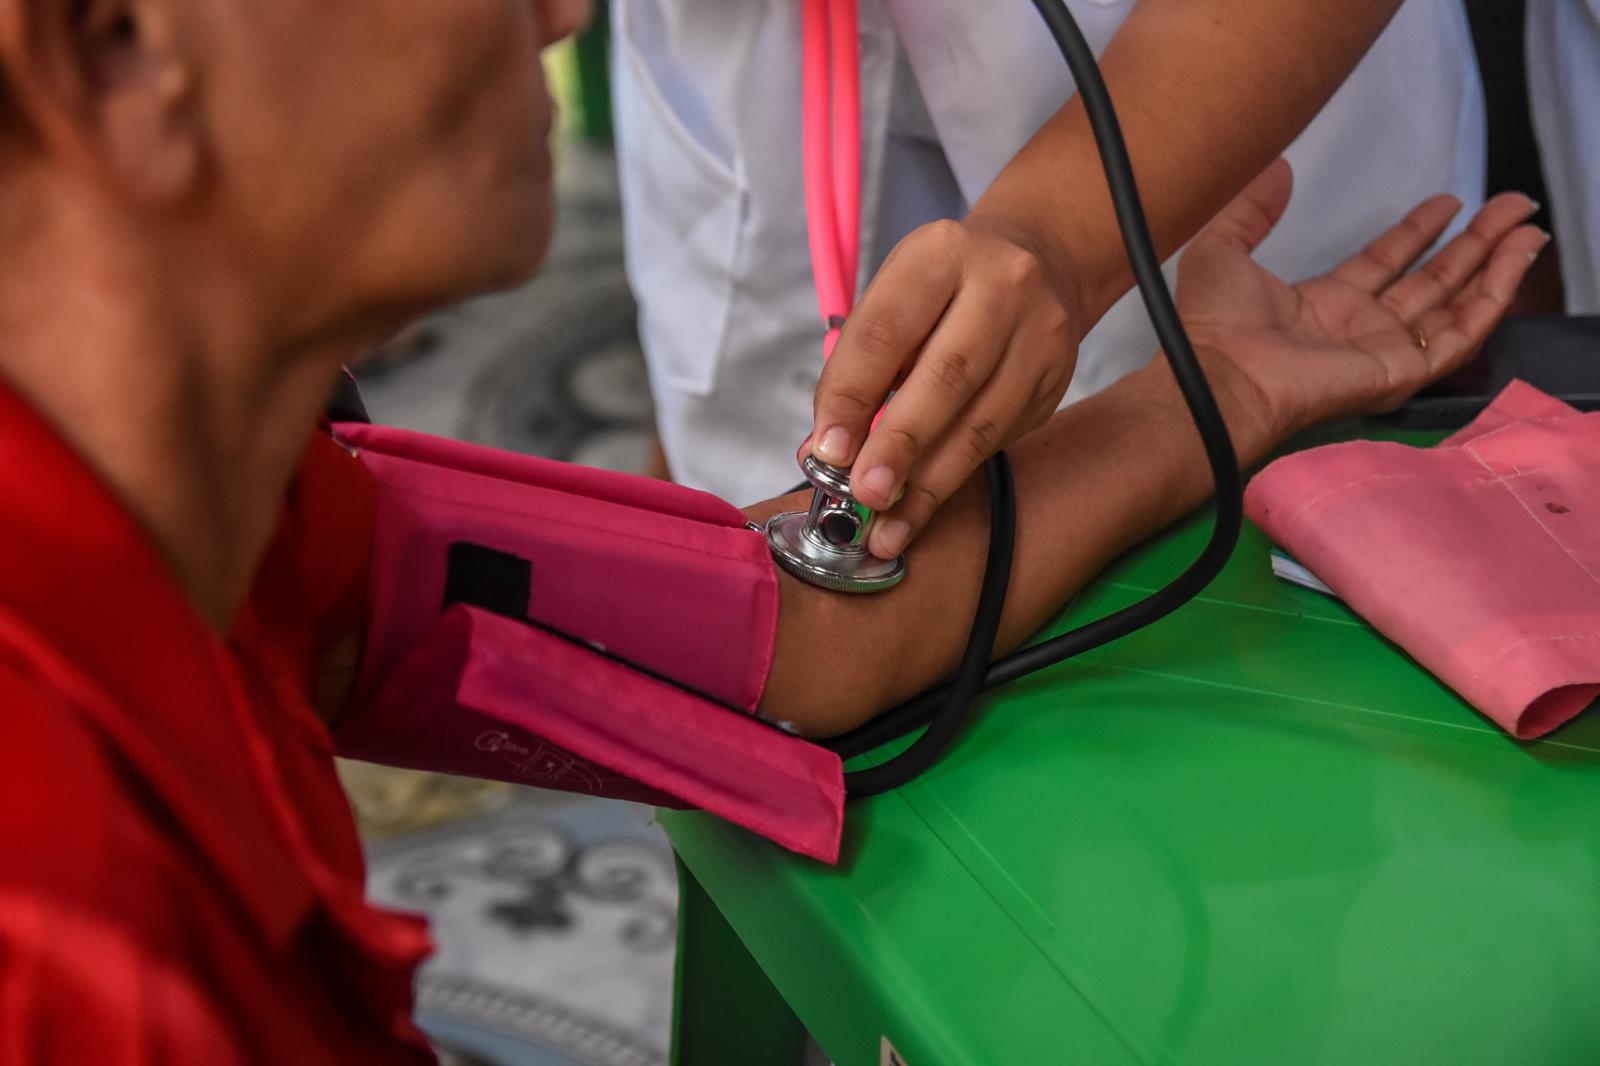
1369,333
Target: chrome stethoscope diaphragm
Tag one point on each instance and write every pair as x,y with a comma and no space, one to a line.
827,545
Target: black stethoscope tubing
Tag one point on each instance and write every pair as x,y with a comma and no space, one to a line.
946,708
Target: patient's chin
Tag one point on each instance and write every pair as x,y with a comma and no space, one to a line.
509,249
518,233
440,249
525,248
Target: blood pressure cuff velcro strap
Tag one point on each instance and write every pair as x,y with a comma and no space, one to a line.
574,629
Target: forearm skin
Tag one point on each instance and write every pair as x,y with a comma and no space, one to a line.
1208,92
1098,478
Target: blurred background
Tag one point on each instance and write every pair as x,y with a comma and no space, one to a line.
555,916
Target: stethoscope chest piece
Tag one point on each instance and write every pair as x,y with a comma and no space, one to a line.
827,545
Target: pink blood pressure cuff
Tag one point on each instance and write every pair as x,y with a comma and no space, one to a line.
551,625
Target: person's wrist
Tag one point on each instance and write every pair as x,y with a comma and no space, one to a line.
1253,425
1255,422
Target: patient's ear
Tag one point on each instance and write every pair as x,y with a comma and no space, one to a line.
108,85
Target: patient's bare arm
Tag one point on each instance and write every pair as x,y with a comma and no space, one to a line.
1107,472
1090,483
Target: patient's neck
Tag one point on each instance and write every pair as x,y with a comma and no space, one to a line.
168,386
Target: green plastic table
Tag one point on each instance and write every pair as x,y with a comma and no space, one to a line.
1255,832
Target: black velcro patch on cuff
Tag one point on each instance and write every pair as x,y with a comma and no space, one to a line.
493,580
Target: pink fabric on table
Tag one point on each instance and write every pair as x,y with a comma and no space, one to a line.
1481,557
632,671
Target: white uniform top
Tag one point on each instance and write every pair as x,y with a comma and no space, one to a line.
1564,91
708,119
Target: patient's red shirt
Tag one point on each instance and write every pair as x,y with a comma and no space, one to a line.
180,877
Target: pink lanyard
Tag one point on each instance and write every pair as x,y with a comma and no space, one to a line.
831,79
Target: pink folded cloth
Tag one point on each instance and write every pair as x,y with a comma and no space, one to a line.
1481,557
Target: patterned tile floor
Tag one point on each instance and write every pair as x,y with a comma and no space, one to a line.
555,917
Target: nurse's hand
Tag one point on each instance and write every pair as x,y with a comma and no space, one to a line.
1360,339
979,338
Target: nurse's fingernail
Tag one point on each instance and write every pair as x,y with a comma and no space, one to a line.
834,447
891,538
877,483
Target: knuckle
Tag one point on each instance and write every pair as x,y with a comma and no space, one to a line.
1385,259
1437,273
902,438
844,400
1048,391
1482,225
945,232
1412,225
981,439
953,372
1057,323
920,502
942,245
1021,267
877,334
1254,218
